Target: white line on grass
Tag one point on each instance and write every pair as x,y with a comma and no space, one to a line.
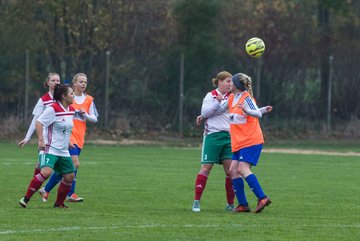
34,162
150,226
18,163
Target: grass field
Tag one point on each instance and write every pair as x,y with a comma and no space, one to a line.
145,193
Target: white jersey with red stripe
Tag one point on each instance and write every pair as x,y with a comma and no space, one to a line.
215,113
45,101
58,123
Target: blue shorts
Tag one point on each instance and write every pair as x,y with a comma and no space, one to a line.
75,151
249,154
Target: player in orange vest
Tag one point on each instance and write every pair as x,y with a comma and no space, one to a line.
85,110
246,141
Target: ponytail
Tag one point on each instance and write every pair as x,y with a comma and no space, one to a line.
243,82
60,90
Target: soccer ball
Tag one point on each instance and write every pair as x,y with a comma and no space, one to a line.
255,47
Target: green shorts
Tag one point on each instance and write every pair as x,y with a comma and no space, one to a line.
216,148
60,164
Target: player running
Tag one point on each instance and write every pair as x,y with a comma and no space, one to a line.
53,128
85,110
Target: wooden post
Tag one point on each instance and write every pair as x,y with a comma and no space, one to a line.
328,123
258,77
181,96
106,112
26,104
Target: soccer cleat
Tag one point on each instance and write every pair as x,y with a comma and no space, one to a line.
23,202
44,195
60,206
242,209
196,206
262,203
230,207
74,198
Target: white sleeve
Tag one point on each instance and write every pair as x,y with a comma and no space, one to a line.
47,117
211,107
93,114
263,110
39,108
31,128
223,106
251,108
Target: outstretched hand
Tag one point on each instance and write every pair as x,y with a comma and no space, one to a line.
269,108
23,143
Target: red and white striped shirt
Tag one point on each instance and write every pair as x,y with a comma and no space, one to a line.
58,123
45,101
215,113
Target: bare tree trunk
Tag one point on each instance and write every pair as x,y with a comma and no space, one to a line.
324,48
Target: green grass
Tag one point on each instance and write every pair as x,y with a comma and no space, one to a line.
145,193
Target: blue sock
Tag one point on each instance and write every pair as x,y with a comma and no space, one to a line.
72,189
255,186
53,180
238,186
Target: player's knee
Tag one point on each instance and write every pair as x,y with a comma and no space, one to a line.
46,172
227,172
69,178
245,172
204,172
205,169
233,172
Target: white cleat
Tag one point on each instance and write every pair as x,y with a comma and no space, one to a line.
44,195
196,206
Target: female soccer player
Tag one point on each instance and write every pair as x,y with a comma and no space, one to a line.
85,110
246,141
46,100
53,128
216,146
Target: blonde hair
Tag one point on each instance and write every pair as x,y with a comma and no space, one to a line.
220,76
48,78
246,81
77,76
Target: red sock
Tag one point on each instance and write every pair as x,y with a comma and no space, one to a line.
230,194
200,184
63,190
34,185
36,171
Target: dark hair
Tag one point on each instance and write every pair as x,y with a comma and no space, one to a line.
60,90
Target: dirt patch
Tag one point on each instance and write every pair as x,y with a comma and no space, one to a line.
265,150
309,152
123,142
